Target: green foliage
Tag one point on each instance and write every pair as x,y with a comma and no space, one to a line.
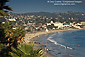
3,6
3,13
1,46
24,50
19,32
9,37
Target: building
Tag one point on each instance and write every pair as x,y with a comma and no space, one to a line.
58,24
11,19
2,20
83,23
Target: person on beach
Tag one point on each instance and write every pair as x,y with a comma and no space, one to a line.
65,47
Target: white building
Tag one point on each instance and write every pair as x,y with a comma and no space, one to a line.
78,24
58,24
48,24
12,19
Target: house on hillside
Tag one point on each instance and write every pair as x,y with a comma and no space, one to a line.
11,19
58,25
66,25
2,20
83,23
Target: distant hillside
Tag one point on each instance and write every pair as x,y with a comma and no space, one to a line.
48,14
65,15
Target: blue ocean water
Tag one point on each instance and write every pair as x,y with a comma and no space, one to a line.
65,43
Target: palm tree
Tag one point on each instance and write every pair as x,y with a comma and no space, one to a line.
10,38
24,50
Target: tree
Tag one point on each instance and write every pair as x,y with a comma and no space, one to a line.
10,38
25,50
2,7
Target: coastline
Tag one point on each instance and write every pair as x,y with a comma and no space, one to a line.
29,36
34,36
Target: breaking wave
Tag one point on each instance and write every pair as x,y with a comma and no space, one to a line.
56,43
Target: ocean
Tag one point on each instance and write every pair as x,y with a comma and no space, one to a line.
65,44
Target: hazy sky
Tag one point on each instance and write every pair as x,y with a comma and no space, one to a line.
24,6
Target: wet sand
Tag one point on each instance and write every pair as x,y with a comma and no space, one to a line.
45,52
35,36
30,36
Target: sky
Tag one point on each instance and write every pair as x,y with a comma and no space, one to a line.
25,6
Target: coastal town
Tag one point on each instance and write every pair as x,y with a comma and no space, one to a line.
33,22
36,28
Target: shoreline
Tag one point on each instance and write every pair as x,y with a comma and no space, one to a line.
29,36
34,36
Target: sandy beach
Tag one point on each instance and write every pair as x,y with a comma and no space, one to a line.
29,37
